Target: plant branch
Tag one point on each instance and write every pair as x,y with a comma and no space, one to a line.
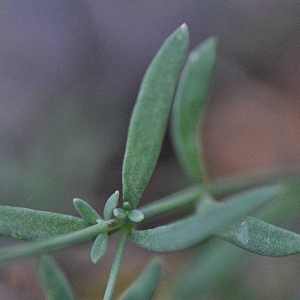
113,276
175,202
50,244
172,203
218,188
225,186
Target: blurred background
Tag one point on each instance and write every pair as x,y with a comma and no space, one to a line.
69,75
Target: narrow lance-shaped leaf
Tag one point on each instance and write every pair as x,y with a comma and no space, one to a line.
110,205
28,224
221,262
146,285
55,283
99,247
190,101
86,211
200,226
262,238
149,119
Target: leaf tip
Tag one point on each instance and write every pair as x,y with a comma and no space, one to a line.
94,259
76,200
99,247
184,26
184,31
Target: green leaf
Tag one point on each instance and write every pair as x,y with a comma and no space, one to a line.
262,238
110,205
146,285
126,206
209,271
86,211
28,224
150,115
136,216
190,101
99,247
120,213
55,283
200,226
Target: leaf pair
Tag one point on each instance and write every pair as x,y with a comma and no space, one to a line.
187,116
212,217
203,224
92,217
100,243
151,111
53,231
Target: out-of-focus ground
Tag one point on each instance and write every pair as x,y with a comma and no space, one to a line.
69,75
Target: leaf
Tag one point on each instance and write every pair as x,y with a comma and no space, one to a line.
192,230
55,283
189,104
262,238
86,211
209,271
99,247
150,115
28,224
146,285
120,213
136,216
127,206
110,205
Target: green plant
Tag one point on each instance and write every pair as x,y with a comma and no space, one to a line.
172,72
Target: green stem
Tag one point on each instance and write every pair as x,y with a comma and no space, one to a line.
218,188
113,276
54,243
172,203
232,184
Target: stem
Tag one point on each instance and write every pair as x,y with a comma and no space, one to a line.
113,276
172,203
232,184
218,188
50,244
